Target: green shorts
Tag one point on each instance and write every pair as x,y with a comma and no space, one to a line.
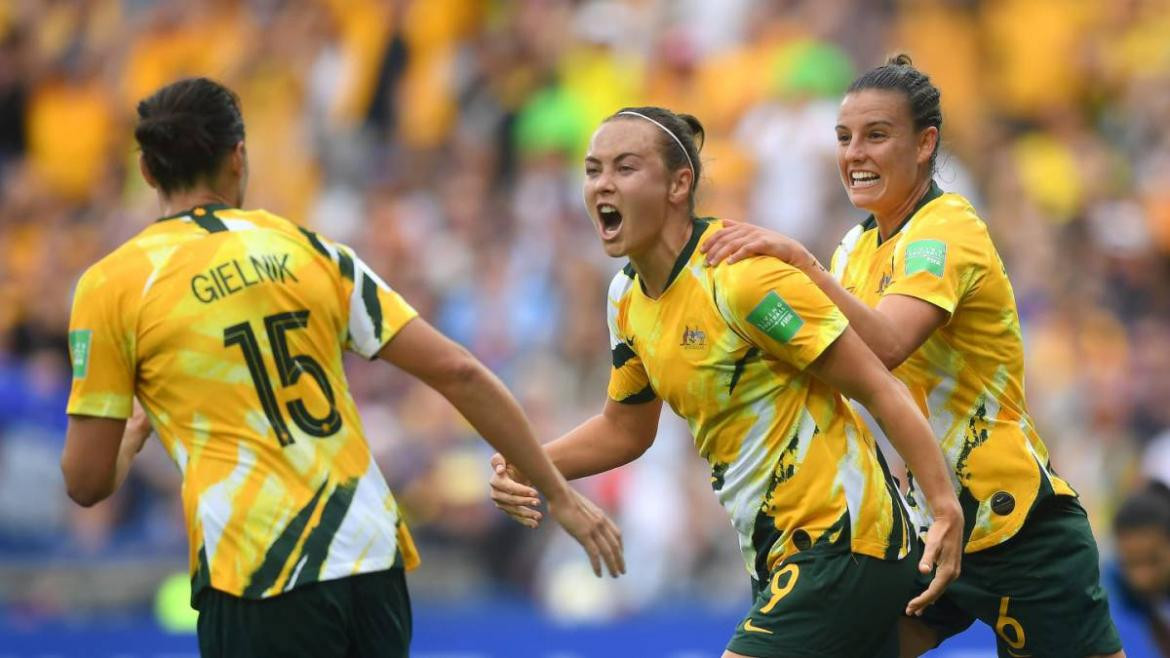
828,603
1040,590
362,615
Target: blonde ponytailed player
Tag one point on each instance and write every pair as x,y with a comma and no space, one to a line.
228,325
756,358
922,283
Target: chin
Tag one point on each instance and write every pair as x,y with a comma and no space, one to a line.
614,249
863,199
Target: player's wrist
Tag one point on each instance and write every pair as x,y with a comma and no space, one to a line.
557,495
807,262
945,506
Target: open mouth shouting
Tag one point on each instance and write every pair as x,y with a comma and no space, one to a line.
611,220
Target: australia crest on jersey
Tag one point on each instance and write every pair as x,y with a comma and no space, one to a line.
887,278
693,338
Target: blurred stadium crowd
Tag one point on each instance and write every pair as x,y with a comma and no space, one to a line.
443,139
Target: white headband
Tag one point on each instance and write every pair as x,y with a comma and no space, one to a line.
672,136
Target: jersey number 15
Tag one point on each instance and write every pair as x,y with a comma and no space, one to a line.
290,367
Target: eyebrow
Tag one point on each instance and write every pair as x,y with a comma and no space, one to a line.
871,124
627,154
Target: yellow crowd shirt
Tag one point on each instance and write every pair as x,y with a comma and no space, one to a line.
968,377
229,326
728,348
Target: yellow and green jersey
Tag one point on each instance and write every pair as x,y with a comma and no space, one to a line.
968,377
229,326
728,348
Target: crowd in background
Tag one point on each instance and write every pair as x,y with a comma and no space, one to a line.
443,139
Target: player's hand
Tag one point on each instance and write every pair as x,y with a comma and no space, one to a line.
737,241
592,529
512,494
138,430
943,554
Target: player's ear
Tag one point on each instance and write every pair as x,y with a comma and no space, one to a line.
680,185
239,159
927,140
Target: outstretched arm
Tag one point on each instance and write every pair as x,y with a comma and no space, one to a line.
483,400
613,438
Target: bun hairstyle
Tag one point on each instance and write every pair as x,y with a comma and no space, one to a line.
185,129
899,74
681,139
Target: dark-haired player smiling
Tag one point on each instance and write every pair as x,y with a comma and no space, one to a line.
922,283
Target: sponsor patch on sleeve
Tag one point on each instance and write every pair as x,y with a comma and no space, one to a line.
775,317
79,340
926,256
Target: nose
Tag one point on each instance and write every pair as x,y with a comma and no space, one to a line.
600,183
854,151
604,180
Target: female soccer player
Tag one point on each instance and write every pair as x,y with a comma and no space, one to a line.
229,325
752,355
924,287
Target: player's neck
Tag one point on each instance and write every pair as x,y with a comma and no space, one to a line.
655,263
890,221
177,202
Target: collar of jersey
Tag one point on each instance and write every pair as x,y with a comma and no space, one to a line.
932,193
698,227
208,207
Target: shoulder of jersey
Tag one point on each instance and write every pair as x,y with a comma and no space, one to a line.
621,283
134,252
724,267
256,218
954,210
754,264
126,258
262,219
